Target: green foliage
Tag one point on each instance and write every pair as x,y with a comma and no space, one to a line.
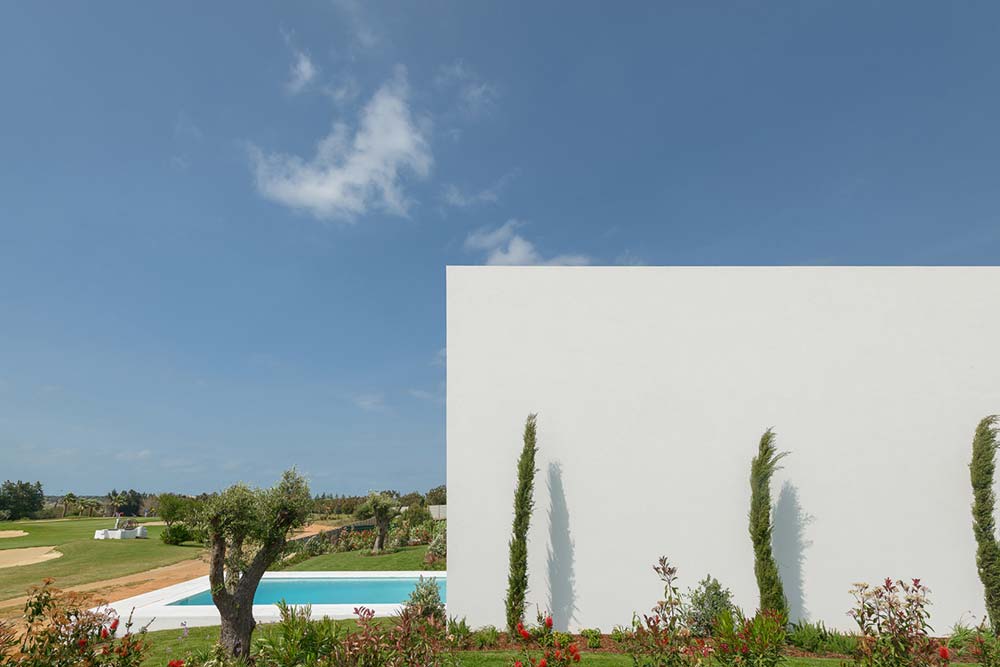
984,647
21,499
61,629
172,508
178,533
486,637
382,508
981,471
893,622
296,639
517,578
425,601
750,642
705,603
459,632
762,468
817,638
593,637
437,496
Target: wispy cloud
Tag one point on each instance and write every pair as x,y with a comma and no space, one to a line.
505,247
436,396
441,358
362,29
452,195
350,175
475,95
302,73
371,402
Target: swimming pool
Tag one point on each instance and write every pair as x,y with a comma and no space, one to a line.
329,590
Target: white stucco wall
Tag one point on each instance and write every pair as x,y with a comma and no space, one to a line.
652,387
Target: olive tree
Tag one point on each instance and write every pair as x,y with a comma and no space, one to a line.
382,508
248,530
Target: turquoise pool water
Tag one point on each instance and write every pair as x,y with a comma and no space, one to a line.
356,591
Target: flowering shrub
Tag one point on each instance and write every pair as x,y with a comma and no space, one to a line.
425,601
664,639
750,642
437,552
352,540
705,603
60,631
892,619
555,649
411,640
984,647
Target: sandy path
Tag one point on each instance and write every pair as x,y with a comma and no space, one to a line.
27,556
12,533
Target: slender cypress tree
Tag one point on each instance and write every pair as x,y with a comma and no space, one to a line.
772,594
517,579
981,470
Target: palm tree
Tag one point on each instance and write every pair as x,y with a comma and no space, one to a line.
89,504
116,500
69,498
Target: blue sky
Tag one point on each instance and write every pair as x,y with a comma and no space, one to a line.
224,227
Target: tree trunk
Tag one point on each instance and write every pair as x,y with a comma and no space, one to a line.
237,626
381,533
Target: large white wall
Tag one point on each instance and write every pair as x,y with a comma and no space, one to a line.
652,387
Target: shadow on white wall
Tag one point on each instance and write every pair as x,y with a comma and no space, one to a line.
788,540
562,584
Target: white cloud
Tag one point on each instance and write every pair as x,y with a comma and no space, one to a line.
455,196
432,396
505,247
362,29
350,175
475,96
441,358
370,402
302,73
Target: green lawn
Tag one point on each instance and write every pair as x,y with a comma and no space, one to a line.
406,559
84,559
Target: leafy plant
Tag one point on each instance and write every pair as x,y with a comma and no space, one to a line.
62,630
981,471
705,603
556,648
757,641
762,468
817,638
425,601
984,647
894,631
517,578
593,637
486,637
296,640
176,533
459,632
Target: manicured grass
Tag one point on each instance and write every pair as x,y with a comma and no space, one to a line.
84,559
406,559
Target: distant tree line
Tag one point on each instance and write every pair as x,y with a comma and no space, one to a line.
326,503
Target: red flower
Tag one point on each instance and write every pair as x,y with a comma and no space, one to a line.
944,652
104,633
521,631
114,624
81,643
548,622
576,657
542,663
175,663
518,663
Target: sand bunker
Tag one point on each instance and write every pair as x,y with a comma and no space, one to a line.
12,533
27,556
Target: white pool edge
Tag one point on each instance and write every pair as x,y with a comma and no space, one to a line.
153,609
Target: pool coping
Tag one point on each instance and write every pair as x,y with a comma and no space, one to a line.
153,609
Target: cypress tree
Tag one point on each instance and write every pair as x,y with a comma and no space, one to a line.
981,470
517,579
772,594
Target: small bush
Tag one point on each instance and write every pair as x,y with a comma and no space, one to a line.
750,642
619,634
459,632
892,619
984,647
817,638
296,640
557,649
486,637
704,605
177,533
593,637
425,601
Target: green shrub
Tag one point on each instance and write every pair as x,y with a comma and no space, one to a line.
459,632
593,637
757,641
817,638
705,603
984,647
894,632
981,471
296,640
177,533
619,634
517,578
486,637
763,466
425,601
